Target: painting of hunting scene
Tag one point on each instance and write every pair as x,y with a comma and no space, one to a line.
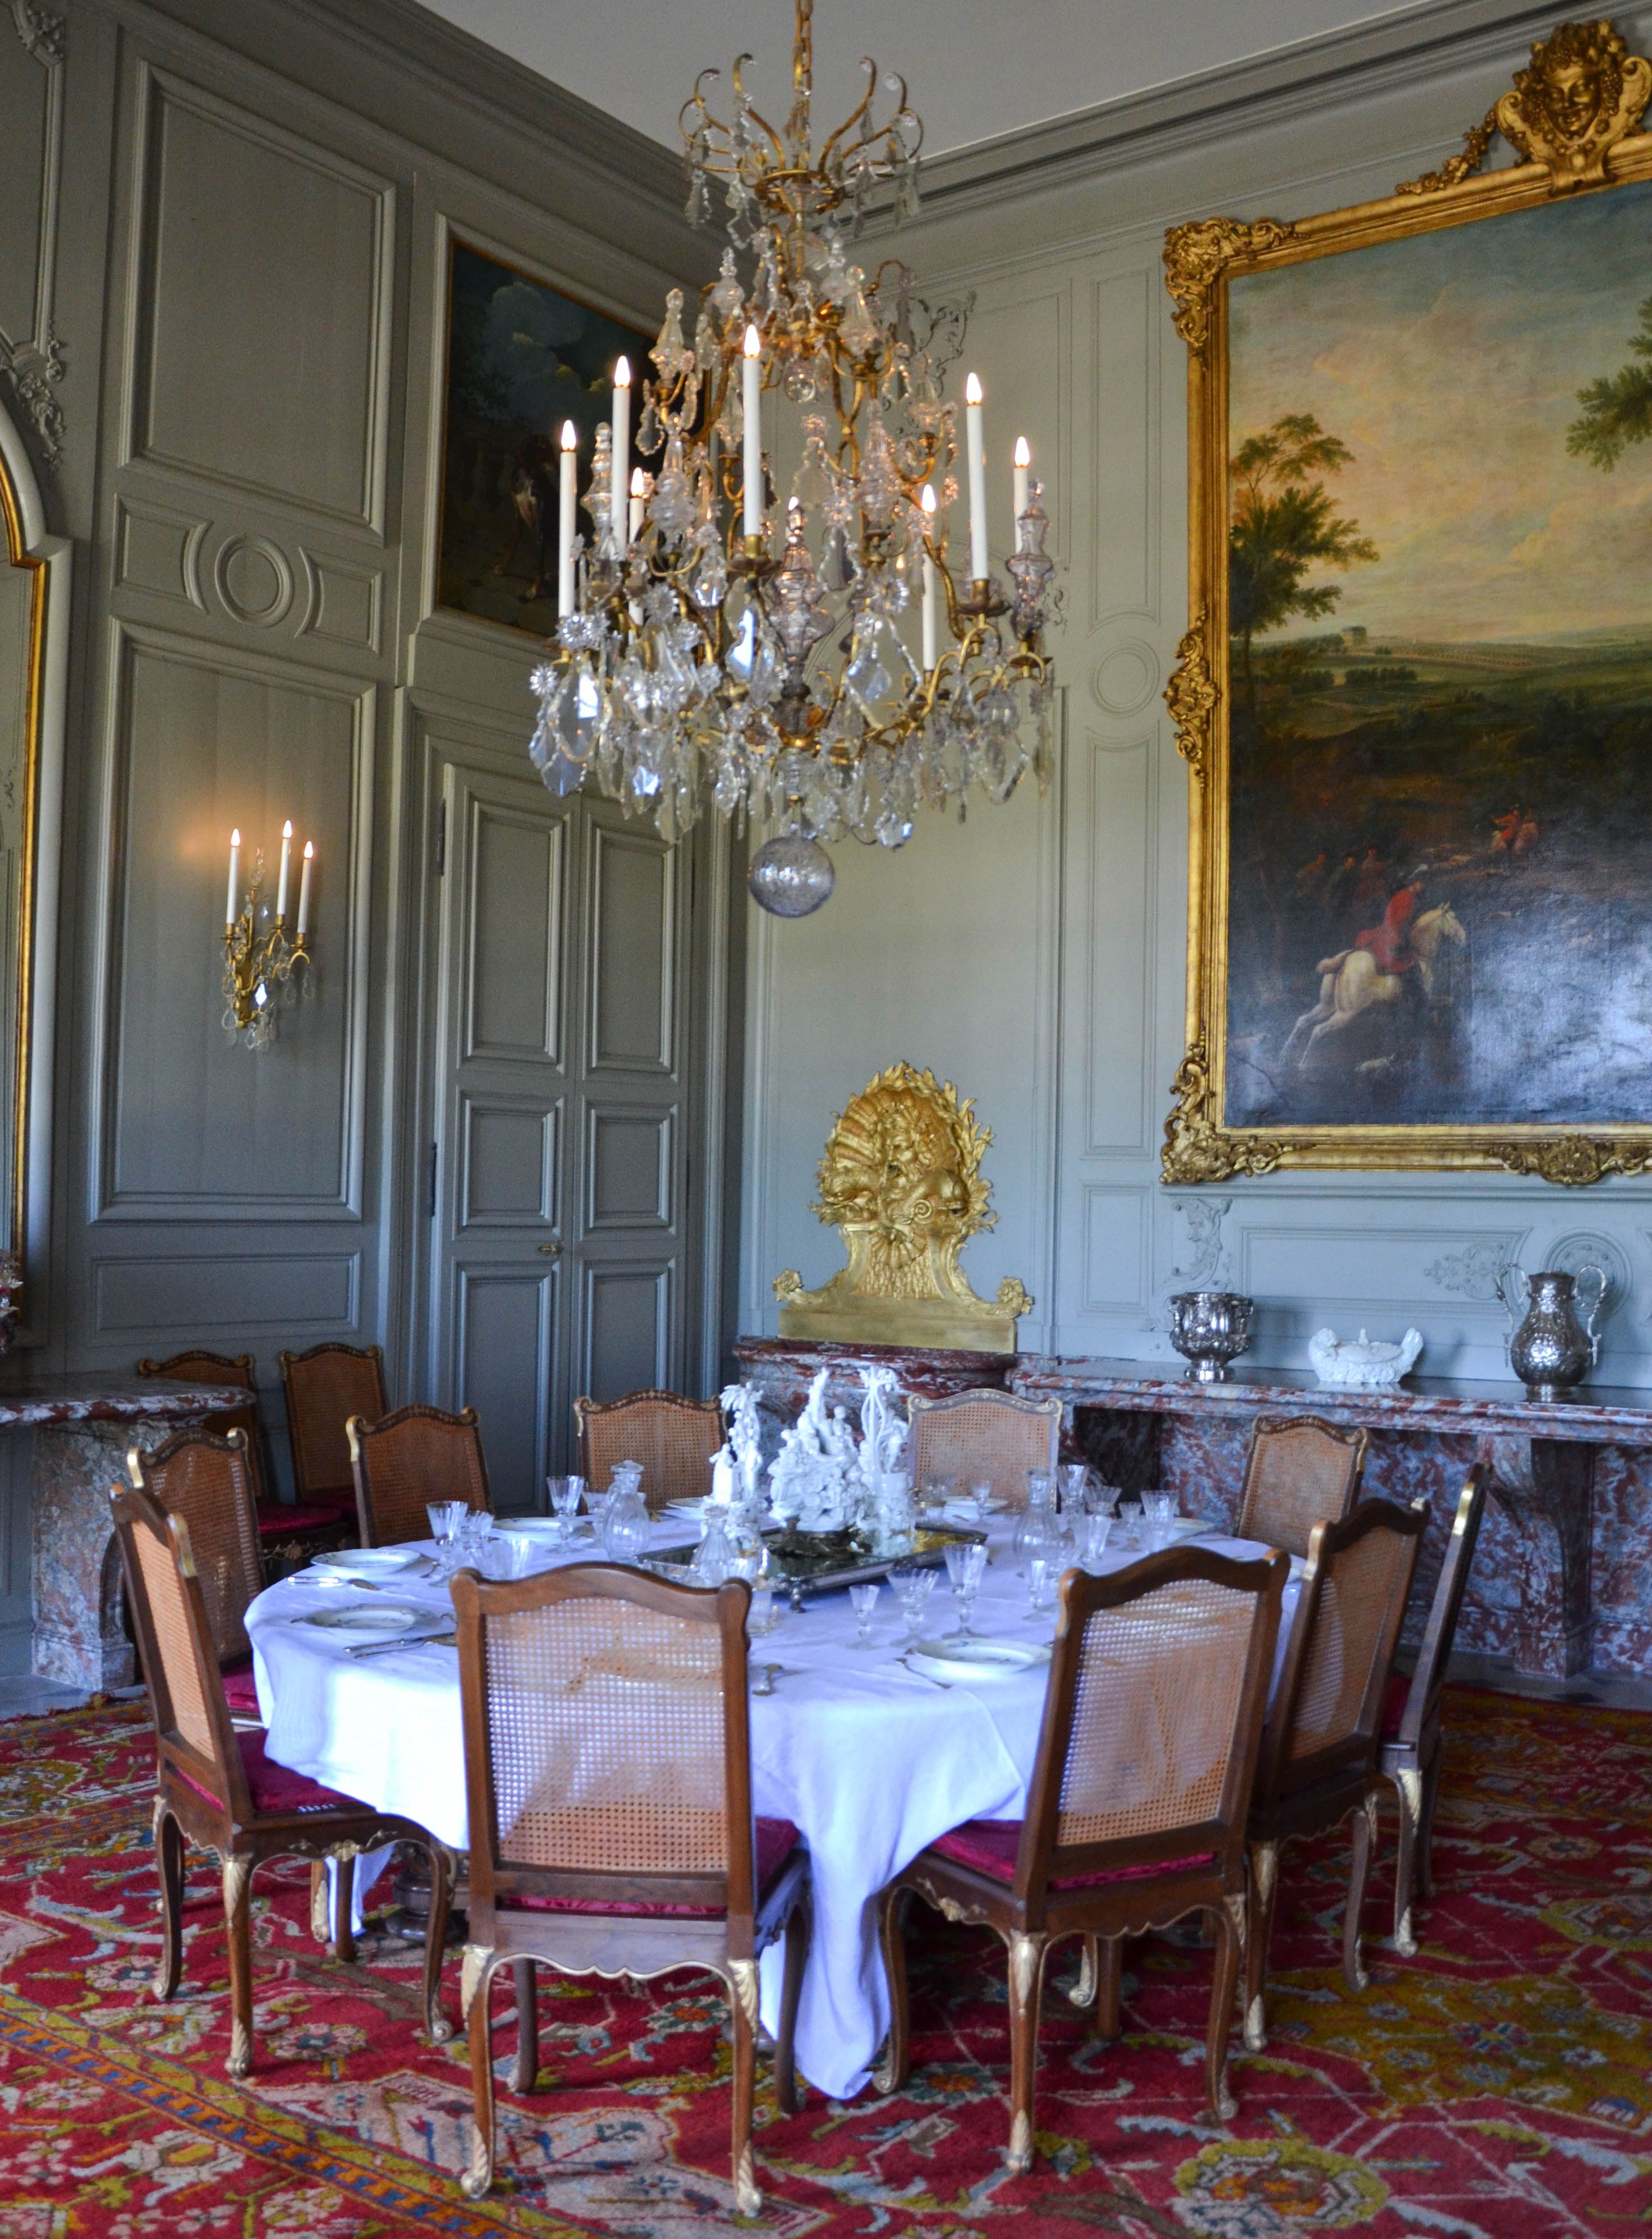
522,359
1440,677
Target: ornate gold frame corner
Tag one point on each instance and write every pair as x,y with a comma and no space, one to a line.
1565,147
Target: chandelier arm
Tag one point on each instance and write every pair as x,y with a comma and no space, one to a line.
697,101
755,115
856,116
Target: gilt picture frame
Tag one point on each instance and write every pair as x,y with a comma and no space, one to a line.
1415,696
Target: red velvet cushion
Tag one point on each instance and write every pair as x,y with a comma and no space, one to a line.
990,1845
276,1787
776,1840
240,1691
277,1519
1399,1694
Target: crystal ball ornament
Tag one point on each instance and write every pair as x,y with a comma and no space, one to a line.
791,876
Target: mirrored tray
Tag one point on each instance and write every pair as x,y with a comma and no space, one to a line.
817,1562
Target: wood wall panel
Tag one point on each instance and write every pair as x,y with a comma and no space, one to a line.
305,1293
513,970
505,1333
633,994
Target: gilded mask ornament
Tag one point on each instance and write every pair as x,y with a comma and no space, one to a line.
902,1180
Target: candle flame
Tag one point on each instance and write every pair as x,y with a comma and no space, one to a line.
570,437
235,837
1023,452
753,343
309,851
927,499
639,488
623,374
972,390
286,829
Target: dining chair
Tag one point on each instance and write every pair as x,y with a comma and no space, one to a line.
417,1455
322,1389
1412,1715
1136,1810
1300,1471
288,1531
1319,1747
674,1438
217,1787
608,1775
207,1480
984,1437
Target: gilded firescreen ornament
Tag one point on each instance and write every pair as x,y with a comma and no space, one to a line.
902,1180
1419,755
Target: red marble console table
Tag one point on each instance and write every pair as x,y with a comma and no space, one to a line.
1532,1595
83,1427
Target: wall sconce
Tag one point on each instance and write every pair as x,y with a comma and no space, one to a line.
259,966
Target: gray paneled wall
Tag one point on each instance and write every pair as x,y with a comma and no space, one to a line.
247,261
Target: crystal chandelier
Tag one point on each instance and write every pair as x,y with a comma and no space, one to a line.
816,665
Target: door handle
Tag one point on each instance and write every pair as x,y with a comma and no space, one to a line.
551,1250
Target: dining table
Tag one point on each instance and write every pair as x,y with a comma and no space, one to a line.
868,1755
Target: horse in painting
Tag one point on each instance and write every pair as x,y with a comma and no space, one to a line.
1353,981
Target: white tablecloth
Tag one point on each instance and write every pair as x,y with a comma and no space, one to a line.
867,1759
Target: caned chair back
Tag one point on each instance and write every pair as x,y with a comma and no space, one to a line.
194,1733
674,1438
1428,1681
606,1748
1301,1471
984,1438
237,1373
410,1458
208,1481
1159,1684
323,1388
1327,1710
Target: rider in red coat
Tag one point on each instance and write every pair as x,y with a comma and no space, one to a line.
1388,945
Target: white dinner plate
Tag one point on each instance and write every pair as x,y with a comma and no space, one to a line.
530,1527
368,1562
352,1621
971,1659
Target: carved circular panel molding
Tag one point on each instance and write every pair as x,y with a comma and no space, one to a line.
254,580
1126,679
1587,1247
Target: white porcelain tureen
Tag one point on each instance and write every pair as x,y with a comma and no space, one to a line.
1365,1363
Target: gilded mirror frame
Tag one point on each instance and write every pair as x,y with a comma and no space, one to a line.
1572,117
29,954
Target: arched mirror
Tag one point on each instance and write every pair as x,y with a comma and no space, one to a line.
34,632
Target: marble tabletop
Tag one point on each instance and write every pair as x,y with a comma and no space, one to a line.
29,1402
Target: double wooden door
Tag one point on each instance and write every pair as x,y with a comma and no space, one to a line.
568,1108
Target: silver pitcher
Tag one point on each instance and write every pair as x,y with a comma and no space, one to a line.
1549,1349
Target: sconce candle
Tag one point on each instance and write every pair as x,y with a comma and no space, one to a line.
752,434
258,965
303,890
638,500
235,876
975,441
932,584
1023,472
286,861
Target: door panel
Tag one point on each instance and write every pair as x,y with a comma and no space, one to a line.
633,946
627,1325
506,1323
515,862
510,1154
628,1171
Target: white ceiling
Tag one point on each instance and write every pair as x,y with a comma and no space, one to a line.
974,68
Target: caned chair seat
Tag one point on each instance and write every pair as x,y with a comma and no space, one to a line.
1136,1807
608,1782
220,1789
1319,1749
675,1439
1300,1471
984,1437
414,1457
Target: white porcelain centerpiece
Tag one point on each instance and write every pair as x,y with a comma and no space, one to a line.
1362,1364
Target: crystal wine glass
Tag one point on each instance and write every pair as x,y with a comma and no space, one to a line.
913,1583
966,1567
863,1600
1043,1571
566,1492
1097,1530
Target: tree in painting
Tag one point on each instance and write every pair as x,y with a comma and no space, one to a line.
1617,409
1285,522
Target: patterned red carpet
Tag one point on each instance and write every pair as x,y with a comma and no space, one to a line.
1500,2084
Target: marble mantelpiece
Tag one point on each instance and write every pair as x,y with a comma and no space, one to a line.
83,1427
1531,1596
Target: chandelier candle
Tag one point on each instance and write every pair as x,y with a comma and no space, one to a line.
798,655
566,502
975,439
621,455
1023,474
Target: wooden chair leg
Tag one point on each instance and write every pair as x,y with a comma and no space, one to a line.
477,2179
1261,1883
525,2075
1364,1842
320,1911
439,2028
1109,1955
237,1913
1026,1981
1228,1927
742,2012
169,1861
1408,1788
1425,1827
1083,1992
891,2072
797,1928
342,1947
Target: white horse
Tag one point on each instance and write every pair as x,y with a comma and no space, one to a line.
1353,981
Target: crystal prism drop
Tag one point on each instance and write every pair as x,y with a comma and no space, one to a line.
881,674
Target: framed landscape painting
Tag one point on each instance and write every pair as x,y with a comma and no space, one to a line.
1416,693
522,358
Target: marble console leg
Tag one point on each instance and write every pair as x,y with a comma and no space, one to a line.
1547,1486
78,1635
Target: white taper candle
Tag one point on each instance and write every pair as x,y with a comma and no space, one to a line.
303,887
976,439
932,584
234,877
1023,476
567,503
752,418
638,500
621,476
286,860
